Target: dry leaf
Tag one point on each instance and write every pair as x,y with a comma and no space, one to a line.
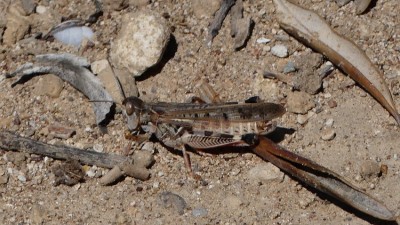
75,71
312,30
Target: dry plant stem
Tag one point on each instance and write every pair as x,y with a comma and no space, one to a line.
321,178
216,24
14,142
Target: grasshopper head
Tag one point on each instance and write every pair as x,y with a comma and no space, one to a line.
133,109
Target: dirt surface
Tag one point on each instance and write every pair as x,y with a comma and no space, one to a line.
366,136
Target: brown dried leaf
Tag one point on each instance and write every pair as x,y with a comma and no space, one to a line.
312,30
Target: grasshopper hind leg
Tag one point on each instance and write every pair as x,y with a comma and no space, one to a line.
188,164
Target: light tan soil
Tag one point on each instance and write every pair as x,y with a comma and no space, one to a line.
364,129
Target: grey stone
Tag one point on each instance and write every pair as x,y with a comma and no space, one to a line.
172,201
280,51
289,67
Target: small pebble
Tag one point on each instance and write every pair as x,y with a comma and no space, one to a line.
384,169
263,40
299,102
199,212
265,172
289,67
358,178
280,51
91,173
171,200
332,103
41,9
395,156
98,148
369,168
266,48
156,185
328,134
329,122
302,119
22,178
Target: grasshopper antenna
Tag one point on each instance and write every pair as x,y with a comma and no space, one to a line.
117,81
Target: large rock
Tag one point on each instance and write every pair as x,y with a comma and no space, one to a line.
141,42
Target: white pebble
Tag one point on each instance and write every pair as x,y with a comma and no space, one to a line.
98,148
91,173
41,9
280,51
329,122
263,40
22,178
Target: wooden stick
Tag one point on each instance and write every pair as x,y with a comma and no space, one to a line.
14,142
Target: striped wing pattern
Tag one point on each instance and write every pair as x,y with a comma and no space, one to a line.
205,142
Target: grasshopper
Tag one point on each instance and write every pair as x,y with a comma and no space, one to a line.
199,126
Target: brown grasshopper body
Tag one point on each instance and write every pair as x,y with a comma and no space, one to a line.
200,126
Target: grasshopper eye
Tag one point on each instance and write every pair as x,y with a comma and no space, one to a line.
129,108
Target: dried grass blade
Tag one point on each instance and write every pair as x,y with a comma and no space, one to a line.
312,30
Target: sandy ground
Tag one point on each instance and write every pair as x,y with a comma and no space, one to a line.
366,135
